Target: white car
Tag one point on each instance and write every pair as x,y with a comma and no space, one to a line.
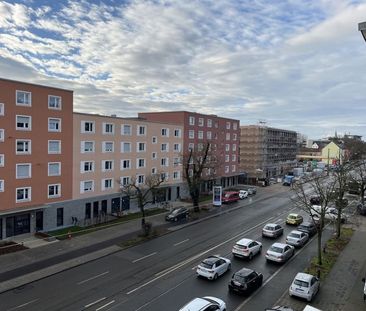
247,248
305,286
297,238
280,252
207,303
272,230
213,266
243,194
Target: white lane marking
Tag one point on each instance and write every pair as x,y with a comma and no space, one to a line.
92,278
152,254
106,305
186,240
94,302
279,220
24,304
179,265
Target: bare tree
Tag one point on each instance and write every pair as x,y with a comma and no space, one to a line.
198,165
143,193
322,189
359,177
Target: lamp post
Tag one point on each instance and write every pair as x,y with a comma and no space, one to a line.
362,28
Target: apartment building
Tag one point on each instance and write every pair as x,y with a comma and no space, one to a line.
266,152
198,129
113,151
35,155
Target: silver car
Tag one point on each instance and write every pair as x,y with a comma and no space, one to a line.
280,252
213,266
297,238
272,230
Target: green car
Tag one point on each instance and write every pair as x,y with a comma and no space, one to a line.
294,219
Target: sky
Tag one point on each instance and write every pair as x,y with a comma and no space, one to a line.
293,64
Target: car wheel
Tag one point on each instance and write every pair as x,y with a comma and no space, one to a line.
175,219
215,276
310,298
228,267
250,256
260,249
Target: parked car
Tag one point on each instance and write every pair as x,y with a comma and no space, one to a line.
280,252
252,190
177,214
315,200
247,248
213,266
297,238
294,219
243,194
331,213
307,227
230,196
245,281
361,209
305,286
272,230
207,303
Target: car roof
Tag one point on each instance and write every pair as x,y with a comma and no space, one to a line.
211,259
195,304
303,276
271,225
244,271
293,214
281,245
296,231
244,241
307,223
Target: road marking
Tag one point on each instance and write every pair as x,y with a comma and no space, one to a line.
152,254
95,302
24,304
106,305
92,278
186,240
184,262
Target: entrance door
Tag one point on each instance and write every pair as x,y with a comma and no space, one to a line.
178,192
39,221
95,209
169,194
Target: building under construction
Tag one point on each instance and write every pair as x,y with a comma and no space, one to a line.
266,152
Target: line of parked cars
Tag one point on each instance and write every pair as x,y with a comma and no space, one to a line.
245,280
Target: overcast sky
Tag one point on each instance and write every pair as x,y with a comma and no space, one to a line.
298,65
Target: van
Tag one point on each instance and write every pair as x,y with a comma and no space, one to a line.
230,196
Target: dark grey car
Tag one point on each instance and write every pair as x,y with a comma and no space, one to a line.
177,214
307,227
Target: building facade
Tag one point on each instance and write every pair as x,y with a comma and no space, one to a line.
35,154
266,152
221,133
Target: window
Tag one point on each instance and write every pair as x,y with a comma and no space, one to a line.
106,184
23,98
235,136
2,134
153,170
54,146
227,158
235,126
54,191
154,155
209,135
191,120
228,125
87,127
154,139
54,125
54,168
140,179
191,146
201,122
2,160
23,170
164,162
54,102
125,147
209,123
107,165
108,146
141,130
177,147
227,136
176,175
108,128
126,129
125,164
2,185
164,176
191,134
23,194
200,134
233,168
234,147
141,147
227,169
23,146
24,123
227,147
200,147
233,157
165,132
140,163
165,147
87,166
125,181
2,109
87,146
177,133
175,161
86,186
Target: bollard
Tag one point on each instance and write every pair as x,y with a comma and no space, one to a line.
69,235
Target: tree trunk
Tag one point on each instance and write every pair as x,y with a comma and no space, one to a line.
320,233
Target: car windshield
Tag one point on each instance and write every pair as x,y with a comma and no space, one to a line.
301,283
276,249
241,246
206,265
240,278
294,235
269,228
292,216
176,211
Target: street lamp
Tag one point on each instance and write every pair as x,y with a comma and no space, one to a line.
362,28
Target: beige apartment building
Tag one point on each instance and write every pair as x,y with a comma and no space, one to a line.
110,151
35,155
266,152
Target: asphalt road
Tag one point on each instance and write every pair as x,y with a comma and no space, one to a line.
160,274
